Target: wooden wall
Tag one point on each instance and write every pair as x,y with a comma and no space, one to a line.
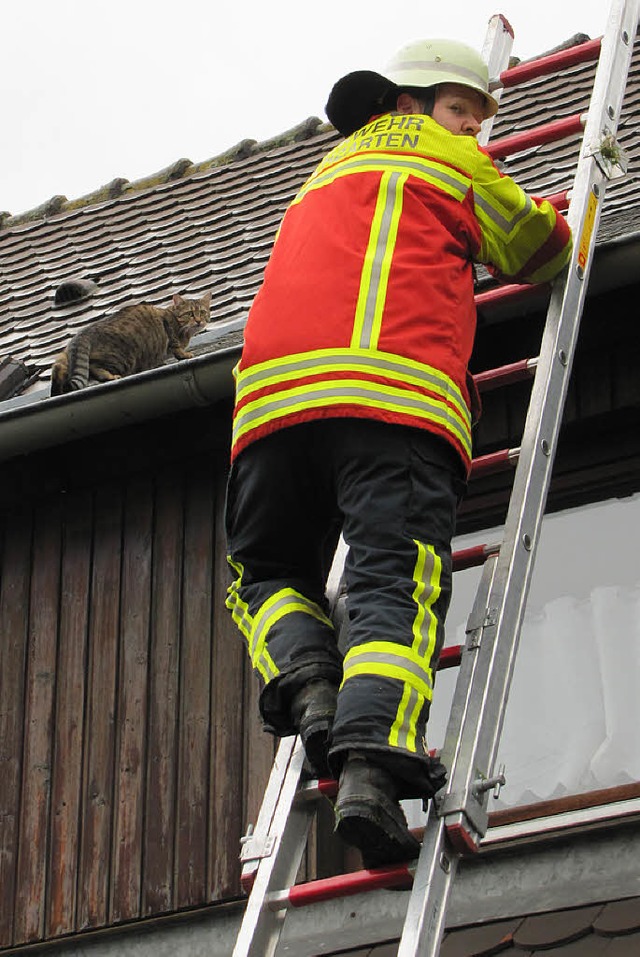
130,754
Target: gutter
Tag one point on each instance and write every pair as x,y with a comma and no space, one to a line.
38,421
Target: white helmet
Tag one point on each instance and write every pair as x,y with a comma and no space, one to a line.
421,63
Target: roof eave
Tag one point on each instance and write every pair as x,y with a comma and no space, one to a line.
49,421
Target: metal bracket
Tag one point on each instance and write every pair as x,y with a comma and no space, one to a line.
467,804
482,784
254,848
612,159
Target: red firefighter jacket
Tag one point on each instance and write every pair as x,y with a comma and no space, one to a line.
367,304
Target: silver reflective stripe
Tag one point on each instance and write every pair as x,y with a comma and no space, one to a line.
438,66
396,162
275,608
395,663
428,597
263,620
381,251
506,225
372,362
405,733
284,404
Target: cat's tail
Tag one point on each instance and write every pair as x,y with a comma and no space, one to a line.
70,370
78,352
59,374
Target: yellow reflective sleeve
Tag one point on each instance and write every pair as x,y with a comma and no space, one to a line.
513,227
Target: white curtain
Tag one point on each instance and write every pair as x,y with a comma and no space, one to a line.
571,723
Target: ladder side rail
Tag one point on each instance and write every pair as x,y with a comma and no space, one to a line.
254,840
437,865
507,598
261,925
496,51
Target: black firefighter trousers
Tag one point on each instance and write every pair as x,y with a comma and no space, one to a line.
392,491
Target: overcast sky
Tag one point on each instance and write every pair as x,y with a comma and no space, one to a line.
93,90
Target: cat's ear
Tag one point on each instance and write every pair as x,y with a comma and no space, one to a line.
177,300
206,300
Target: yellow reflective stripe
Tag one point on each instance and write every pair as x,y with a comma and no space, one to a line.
245,623
283,602
325,362
352,392
504,220
374,278
238,608
451,181
389,660
403,730
513,227
427,576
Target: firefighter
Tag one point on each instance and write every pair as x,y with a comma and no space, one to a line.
353,414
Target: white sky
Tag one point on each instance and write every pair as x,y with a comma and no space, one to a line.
91,90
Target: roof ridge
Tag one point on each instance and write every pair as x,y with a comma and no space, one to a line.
182,168
576,40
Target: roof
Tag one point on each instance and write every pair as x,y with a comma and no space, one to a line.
600,930
190,228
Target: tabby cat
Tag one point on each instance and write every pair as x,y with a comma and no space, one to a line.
133,339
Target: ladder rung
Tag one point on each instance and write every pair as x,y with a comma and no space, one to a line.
547,133
494,462
509,292
317,787
560,200
344,885
552,63
473,556
450,657
505,375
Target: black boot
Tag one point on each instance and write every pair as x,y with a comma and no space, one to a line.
368,814
313,709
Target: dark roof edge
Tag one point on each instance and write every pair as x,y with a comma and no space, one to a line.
38,421
49,421
182,168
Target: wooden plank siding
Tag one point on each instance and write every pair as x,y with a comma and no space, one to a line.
34,831
131,755
14,643
100,710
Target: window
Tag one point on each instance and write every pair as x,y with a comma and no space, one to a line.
574,708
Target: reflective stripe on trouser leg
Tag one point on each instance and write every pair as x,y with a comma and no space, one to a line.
410,665
257,627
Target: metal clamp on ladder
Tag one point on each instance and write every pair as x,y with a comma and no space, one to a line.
456,825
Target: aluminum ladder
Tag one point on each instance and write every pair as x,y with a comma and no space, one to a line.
458,819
